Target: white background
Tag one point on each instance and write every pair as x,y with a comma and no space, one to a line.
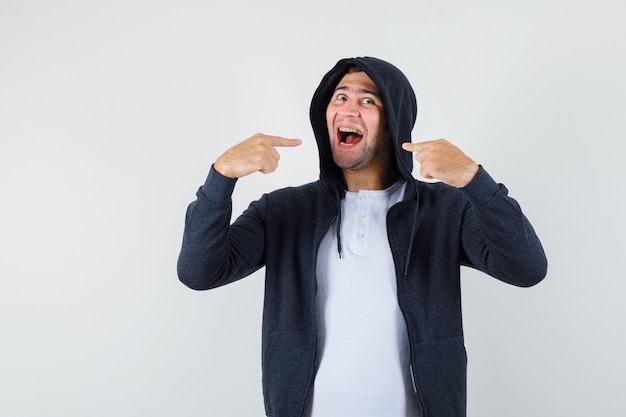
112,112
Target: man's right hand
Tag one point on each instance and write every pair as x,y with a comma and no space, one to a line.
256,153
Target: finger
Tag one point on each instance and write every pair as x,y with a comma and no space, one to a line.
285,142
416,146
408,146
268,168
420,150
269,162
274,155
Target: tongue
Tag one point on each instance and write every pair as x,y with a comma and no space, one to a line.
352,139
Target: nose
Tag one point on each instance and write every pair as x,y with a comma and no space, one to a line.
349,109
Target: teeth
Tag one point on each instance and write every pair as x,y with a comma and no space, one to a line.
350,130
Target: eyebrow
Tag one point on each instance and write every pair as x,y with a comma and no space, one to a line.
359,90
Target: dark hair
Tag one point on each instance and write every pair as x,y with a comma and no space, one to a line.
352,68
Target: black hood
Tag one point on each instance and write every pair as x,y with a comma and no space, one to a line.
400,104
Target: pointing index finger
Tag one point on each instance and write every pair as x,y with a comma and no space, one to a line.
412,146
416,146
285,142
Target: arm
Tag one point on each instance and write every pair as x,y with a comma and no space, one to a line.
496,236
214,252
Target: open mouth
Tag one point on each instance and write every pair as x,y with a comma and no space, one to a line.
349,136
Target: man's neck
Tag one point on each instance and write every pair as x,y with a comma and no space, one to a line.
370,179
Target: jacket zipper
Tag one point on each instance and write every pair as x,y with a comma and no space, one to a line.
312,369
399,288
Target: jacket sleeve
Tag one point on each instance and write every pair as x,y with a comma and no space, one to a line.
497,237
214,252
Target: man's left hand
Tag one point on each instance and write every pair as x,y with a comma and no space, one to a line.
439,159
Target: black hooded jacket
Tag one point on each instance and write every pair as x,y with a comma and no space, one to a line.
434,231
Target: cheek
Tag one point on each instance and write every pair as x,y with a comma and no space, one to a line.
330,114
376,125
330,117
383,128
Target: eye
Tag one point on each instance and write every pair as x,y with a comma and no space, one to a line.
368,100
341,97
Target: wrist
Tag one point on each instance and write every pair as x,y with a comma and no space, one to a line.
219,167
469,175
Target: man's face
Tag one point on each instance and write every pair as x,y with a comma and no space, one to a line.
357,124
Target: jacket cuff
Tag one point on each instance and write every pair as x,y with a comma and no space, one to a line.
218,187
481,189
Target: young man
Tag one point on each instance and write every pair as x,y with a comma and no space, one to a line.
362,311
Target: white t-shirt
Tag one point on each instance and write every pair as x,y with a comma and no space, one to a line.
363,350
